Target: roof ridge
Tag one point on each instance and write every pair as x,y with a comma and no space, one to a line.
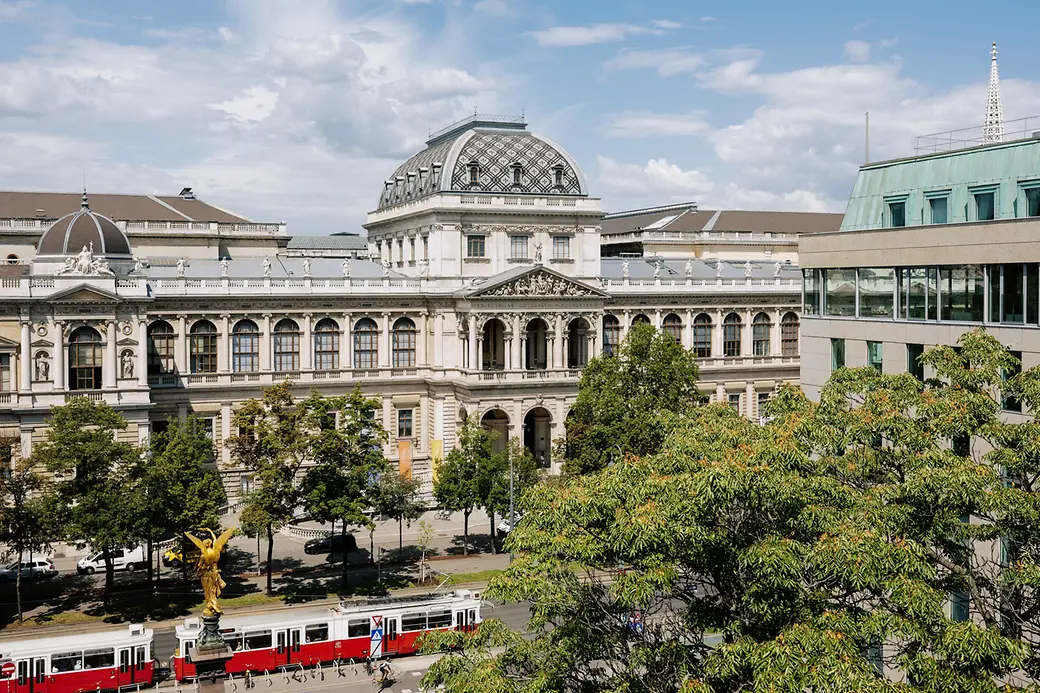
170,207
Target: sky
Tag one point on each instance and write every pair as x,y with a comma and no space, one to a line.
297,110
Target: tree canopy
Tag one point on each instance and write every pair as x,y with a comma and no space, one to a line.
457,485
623,399
843,539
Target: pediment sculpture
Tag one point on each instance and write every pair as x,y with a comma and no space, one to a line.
540,284
84,264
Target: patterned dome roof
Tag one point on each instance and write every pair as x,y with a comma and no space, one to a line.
73,232
485,154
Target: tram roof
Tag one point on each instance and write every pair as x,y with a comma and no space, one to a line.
133,634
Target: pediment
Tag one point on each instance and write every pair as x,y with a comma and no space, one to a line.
536,282
126,341
42,344
83,293
6,343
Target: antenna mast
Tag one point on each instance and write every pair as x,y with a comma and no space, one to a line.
993,130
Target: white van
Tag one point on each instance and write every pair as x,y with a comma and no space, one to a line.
122,559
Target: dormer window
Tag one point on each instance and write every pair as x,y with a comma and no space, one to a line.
558,176
474,173
518,172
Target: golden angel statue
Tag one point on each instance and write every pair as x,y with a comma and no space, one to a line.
206,569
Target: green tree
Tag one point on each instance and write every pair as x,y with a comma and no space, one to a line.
796,556
624,399
184,492
22,511
346,458
397,497
426,533
97,487
495,478
457,486
274,438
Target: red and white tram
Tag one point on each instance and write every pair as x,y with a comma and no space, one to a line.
352,630
106,660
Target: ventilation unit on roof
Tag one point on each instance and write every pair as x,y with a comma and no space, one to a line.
41,213
187,194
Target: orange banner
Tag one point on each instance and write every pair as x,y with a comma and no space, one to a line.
404,458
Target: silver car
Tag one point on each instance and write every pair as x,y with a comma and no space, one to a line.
31,570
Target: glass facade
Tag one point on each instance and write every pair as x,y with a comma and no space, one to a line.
876,287
811,292
840,292
874,356
962,293
913,361
837,354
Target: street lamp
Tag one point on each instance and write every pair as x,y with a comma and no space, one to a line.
512,509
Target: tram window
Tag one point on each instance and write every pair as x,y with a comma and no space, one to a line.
142,656
318,632
410,622
23,672
99,659
234,641
439,619
358,628
66,661
258,640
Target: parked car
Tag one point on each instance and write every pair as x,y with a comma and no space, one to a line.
504,527
31,570
122,559
332,543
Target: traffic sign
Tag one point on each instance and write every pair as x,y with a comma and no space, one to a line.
7,669
377,621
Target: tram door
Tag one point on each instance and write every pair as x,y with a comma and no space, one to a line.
465,620
281,650
390,635
295,638
126,666
31,675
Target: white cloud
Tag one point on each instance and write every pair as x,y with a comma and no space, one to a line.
495,8
637,124
857,51
667,62
14,10
252,106
656,178
597,33
666,24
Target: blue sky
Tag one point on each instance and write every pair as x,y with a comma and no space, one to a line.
296,111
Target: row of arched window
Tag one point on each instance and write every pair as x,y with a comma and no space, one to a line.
732,333
286,339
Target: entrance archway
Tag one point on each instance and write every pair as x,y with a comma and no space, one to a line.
577,343
538,435
498,421
493,356
536,357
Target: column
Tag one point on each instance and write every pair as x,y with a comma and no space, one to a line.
58,358
420,345
472,362
597,331
144,432
518,337
142,353
745,341
688,330
624,324
307,347
774,334
224,344
657,318
111,362
225,432
25,357
389,427
384,348
716,334
438,336
265,343
180,350
346,345
558,351
422,430
750,402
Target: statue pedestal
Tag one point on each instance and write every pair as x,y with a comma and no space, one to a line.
210,655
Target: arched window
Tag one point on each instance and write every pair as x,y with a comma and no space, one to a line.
640,320
673,327
202,347
611,335
537,343
731,328
326,345
403,337
761,339
702,336
85,359
366,344
789,335
245,347
161,341
286,346
577,343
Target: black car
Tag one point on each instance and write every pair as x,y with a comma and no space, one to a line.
331,544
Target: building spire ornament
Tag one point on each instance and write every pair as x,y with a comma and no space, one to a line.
83,203
993,130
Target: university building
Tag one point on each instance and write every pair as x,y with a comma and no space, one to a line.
479,290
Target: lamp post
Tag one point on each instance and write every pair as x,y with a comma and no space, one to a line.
512,509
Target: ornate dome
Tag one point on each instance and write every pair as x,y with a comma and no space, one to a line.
73,232
485,154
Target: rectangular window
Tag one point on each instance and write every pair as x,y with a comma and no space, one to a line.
1033,202
561,247
897,214
763,398
245,484
66,661
837,354
358,628
913,361
963,293
1032,297
917,293
99,659
937,207
438,619
5,373
258,640
874,355
474,246
233,639
413,622
960,606
841,292
933,293
404,423
985,205
1010,403
518,247
318,632
811,292
1012,306
876,289
961,446
734,403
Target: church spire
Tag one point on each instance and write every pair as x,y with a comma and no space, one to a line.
993,130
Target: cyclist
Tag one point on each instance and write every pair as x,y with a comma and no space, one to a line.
386,674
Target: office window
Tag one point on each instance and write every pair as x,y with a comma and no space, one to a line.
874,355
876,289
841,292
734,403
245,347
897,214
913,361
960,606
914,280
561,247
789,335
933,293
837,354
1009,402
1033,202
731,329
811,292
202,347
474,246
518,247
404,423
1012,293
963,293
326,345
702,336
937,207
985,205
